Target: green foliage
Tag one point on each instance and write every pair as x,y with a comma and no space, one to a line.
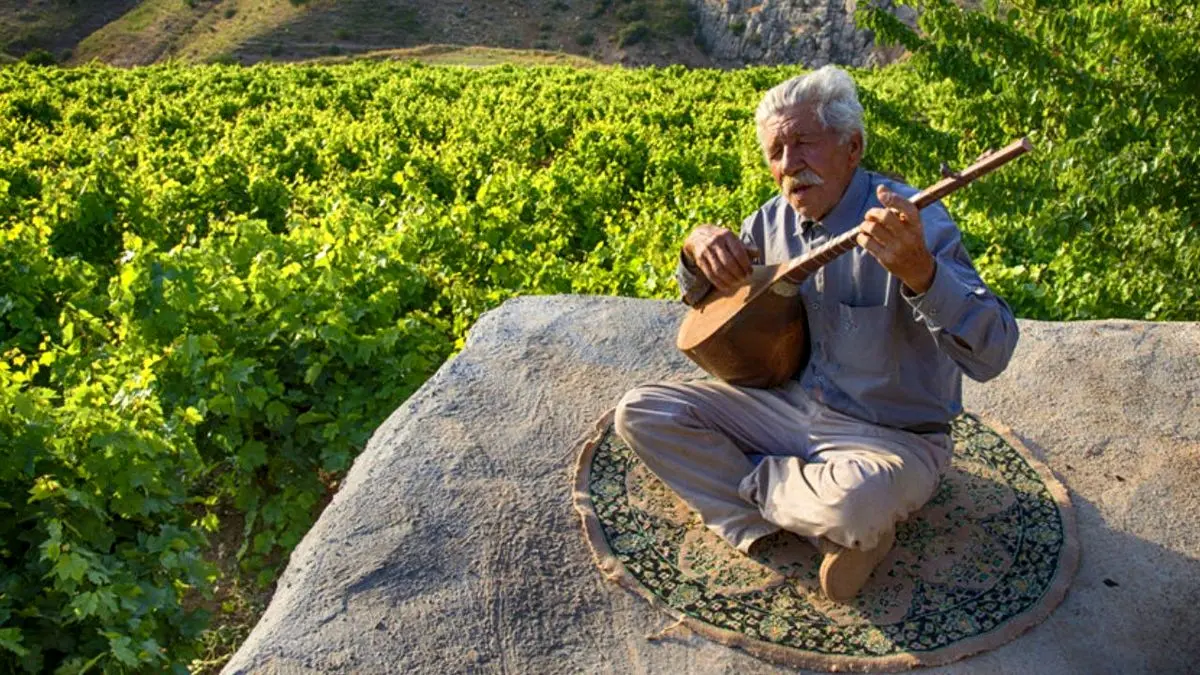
633,11
217,282
600,8
39,57
632,34
1102,219
674,17
662,19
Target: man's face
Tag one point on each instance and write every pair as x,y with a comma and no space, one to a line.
810,166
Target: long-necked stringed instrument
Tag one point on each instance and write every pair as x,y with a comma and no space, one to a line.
757,334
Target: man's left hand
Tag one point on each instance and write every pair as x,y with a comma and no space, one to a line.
893,235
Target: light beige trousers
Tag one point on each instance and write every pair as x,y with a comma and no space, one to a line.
825,474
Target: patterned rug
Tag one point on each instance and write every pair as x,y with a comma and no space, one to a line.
989,556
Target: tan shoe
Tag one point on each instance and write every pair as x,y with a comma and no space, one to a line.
844,571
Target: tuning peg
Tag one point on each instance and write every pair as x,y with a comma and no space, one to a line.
947,172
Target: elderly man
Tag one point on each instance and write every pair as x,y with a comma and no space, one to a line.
857,440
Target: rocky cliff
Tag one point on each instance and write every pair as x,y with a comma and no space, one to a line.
809,32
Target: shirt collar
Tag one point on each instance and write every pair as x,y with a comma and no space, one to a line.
846,214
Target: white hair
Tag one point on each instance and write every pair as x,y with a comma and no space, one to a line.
830,90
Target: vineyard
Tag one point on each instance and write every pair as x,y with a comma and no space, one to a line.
217,281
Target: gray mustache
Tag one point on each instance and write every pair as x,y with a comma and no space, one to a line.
805,178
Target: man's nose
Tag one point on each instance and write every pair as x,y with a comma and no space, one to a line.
792,163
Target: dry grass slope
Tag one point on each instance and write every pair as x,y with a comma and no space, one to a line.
157,30
248,31
457,55
54,25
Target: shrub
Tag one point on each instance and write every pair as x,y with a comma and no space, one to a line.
675,17
635,11
39,57
600,8
633,34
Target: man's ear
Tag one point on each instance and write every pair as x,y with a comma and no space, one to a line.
856,148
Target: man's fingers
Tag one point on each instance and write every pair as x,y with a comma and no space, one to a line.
724,260
722,257
718,268
711,274
876,249
738,251
902,206
881,225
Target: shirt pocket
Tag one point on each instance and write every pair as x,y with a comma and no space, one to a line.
862,341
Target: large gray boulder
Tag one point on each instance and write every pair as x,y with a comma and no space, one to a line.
453,545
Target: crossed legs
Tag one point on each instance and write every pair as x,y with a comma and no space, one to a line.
825,476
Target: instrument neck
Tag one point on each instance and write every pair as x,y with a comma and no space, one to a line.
806,265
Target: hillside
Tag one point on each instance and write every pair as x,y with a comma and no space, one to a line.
631,32
56,26
128,32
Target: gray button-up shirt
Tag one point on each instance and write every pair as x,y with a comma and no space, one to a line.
879,352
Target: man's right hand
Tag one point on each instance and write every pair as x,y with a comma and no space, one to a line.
720,255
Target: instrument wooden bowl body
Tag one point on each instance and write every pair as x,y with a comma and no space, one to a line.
756,336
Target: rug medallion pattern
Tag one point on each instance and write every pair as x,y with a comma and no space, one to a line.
984,551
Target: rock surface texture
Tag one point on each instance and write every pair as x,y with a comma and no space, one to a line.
809,32
453,545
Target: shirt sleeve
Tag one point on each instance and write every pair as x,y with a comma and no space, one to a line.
693,285
972,325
